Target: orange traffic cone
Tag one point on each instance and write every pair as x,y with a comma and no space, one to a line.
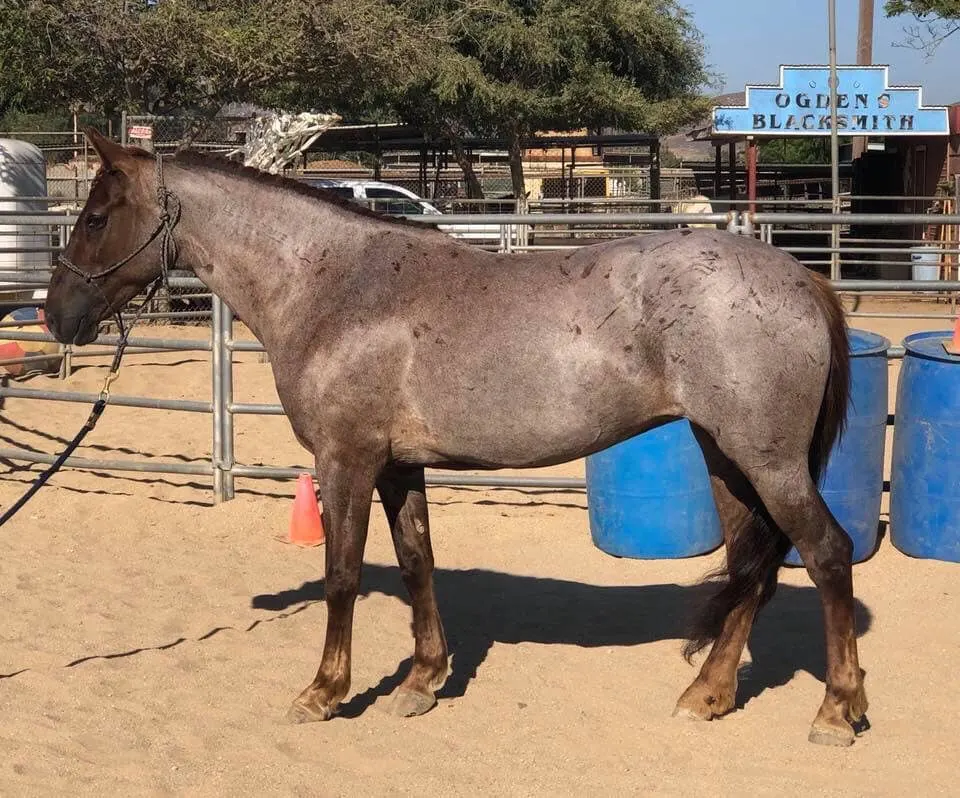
953,346
306,528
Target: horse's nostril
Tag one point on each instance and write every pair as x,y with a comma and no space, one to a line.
64,325
53,324
61,327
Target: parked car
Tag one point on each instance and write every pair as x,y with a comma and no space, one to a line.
399,201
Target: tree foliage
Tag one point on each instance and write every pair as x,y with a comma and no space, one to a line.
934,21
795,150
500,68
109,56
177,56
512,67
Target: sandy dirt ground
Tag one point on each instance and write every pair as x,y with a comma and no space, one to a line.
151,642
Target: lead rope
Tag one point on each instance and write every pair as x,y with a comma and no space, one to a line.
98,407
168,256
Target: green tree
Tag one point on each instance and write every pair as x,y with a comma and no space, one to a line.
795,150
192,56
508,68
108,56
502,68
354,57
934,21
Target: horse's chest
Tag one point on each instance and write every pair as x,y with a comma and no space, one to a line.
326,400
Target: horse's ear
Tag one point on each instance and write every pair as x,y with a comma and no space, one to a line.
112,155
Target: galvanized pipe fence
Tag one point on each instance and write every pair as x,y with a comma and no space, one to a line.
223,468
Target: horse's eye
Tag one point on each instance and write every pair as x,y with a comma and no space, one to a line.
96,221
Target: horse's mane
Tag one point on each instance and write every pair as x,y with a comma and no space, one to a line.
227,166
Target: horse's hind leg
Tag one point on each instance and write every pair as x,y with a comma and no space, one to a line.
791,498
346,487
403,494
755,552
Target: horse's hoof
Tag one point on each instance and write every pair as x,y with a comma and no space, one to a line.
698,702
690,714
838,735
408,703
306,711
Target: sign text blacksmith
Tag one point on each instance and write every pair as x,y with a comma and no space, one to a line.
800,105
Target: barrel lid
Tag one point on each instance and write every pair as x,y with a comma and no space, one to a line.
929,344
863,343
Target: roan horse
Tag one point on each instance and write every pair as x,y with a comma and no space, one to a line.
396,348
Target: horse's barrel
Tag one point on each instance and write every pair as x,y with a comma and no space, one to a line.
925,474
649,497
852,483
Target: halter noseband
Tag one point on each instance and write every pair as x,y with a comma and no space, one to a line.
168,246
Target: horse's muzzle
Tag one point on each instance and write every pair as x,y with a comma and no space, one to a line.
73,310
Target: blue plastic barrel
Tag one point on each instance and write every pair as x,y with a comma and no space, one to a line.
649,497
852,482
925,474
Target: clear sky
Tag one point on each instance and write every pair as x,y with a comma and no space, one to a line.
747,40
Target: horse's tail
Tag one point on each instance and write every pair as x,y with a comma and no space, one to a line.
755,553
757,550
833,408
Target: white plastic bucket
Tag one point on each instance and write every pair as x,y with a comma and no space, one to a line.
924,264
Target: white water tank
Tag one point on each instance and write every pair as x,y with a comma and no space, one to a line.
23,174
925,265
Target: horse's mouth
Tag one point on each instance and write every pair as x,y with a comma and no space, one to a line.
77,330
87,332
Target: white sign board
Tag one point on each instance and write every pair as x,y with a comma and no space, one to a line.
143,132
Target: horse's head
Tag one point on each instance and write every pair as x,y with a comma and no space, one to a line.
96,275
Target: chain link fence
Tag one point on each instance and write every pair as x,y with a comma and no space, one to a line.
166,134
69,163
72,165
227,133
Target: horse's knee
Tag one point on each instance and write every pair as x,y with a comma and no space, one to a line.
835,551
340,586
829,556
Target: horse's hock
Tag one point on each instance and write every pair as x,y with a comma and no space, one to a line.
852,485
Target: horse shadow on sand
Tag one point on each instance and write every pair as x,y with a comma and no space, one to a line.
480,608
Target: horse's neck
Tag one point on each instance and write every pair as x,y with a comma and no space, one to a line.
258,247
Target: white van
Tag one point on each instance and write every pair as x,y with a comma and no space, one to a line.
399,201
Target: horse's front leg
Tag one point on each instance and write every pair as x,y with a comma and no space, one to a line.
346,489
404,498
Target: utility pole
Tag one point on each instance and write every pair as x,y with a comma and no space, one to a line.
865,33
834,140
864,56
